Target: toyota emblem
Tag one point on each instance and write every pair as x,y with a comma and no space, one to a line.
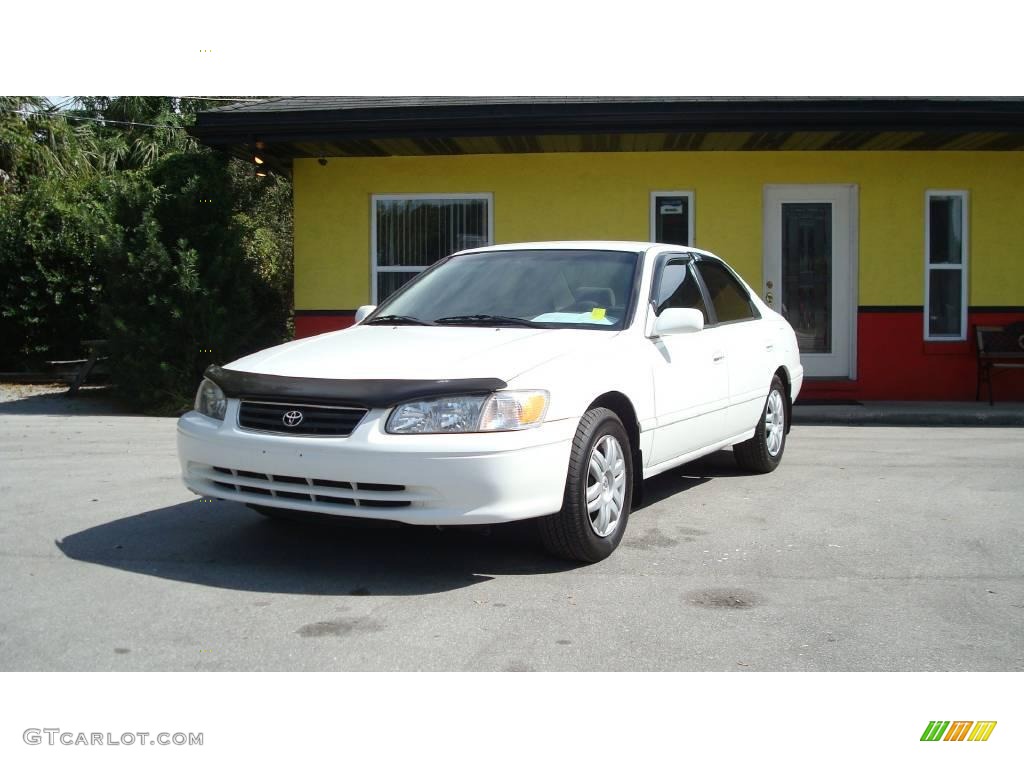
292,418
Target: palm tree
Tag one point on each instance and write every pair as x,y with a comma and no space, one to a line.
34,140
97,135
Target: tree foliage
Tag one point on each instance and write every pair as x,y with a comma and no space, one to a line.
114,223
187,292
57,237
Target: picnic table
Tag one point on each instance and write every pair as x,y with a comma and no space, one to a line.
76,372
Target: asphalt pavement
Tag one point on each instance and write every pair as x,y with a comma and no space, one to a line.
871,548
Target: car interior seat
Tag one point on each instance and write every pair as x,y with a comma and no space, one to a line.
590,297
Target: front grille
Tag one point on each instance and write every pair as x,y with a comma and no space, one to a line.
260,488
316,420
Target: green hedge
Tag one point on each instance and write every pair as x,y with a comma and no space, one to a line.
57,237
183,292
183,264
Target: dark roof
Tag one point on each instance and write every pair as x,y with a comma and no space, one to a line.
310,126
340,103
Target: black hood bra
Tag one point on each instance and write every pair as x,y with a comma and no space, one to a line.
373,393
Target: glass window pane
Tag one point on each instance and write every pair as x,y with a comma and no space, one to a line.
389,282
945,229
672,219
729,298
807,274
944,302
679,289
418,232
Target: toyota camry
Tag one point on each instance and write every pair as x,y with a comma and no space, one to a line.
538,380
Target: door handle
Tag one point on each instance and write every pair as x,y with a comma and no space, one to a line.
718,357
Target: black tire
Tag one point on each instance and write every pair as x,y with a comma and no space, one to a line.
569,533
754,454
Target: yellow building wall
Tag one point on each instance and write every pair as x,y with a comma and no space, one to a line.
607,196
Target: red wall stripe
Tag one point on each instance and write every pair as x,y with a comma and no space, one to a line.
321,322
894,362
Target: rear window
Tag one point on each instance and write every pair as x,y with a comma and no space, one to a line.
727,294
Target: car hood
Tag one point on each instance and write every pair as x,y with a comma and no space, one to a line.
420,352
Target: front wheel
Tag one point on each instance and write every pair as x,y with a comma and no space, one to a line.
598,492
763,452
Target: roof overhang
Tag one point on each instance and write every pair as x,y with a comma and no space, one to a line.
285,128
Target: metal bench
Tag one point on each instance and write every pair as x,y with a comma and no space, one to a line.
998,347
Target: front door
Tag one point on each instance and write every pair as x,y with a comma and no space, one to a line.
691,382
810,271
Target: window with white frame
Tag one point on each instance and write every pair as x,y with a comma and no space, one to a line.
672,218
411,232
945,287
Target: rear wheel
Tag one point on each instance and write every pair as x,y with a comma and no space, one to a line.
763,452
598,492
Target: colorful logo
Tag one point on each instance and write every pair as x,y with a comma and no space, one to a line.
958,730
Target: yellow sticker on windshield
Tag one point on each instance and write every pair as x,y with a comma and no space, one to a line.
597,313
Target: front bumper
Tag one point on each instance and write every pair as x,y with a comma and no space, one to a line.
421,479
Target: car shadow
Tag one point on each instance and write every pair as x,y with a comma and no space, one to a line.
224,544
687,476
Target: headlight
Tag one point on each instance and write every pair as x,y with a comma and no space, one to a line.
210,400
500,412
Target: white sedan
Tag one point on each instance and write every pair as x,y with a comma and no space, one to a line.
539,380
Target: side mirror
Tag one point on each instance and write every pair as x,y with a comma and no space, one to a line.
672,321
363,312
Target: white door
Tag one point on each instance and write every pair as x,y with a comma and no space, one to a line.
745,340
691,393
691,384
810,271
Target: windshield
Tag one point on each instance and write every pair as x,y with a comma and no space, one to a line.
544,288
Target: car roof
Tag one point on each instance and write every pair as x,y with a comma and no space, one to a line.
636,246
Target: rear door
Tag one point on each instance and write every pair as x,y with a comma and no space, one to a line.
691,389
745,339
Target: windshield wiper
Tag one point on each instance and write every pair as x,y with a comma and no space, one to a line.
486,320
396,320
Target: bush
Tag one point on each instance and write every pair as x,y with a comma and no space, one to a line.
129,230
56,239
195,282
180,263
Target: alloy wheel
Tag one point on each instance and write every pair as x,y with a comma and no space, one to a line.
774,423
606,485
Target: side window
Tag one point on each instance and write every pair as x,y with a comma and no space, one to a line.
678,289
945,288
728,297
